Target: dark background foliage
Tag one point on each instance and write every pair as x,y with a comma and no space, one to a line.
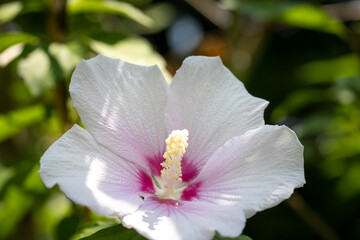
302,56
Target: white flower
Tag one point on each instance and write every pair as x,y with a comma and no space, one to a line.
220,163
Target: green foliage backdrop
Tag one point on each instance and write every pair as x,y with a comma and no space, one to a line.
302,56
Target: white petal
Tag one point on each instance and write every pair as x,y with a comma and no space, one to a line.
122,106
258,169
91,175
212,104
187,221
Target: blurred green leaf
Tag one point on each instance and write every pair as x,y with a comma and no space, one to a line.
36,71
298,100
311,17
9,39
13,208
290,13
162,14
10,53
241,237
113,7
349,184
329,70
67,227
134,50
262,10
33,181
13,122
115,233
5,175
48,215
67,55
9,10
95,227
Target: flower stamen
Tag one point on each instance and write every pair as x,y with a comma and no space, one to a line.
171,173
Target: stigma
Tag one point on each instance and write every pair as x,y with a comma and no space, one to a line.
171,173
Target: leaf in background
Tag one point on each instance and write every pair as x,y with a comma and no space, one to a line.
36,71
162,14
261,10
298,100
13,122
10,10
5,175
9,39
95,227
67,56
115,233
290,13
48,215
311,17
13,208
10,54
33,182
134,50
113,7
329,70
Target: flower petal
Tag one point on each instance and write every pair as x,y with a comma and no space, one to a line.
159,220
212,104
91,175
259,169
122,106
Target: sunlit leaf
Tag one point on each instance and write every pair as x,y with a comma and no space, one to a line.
36,71
311,17
10,54
162,14
134,50
13,122
113,7
67,56
10,10
290,13
10,39
115,233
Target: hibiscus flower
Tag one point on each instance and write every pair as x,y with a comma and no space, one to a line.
173,162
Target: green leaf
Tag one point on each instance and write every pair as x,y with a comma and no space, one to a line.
329,70
5,175
134,50
162,14
115,233
13,208
13,122
10,10
113,7
241,237
290,13
90,229
67,55
311,17
10,39
36,71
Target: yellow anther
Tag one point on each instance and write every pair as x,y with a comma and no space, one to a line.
175,150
